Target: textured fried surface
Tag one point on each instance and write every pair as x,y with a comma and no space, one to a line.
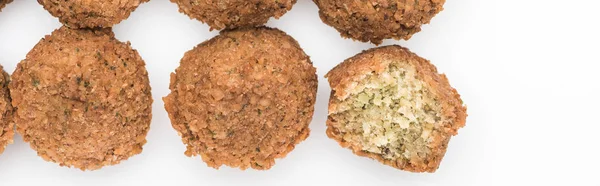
243,98
343,79
91,13
3,3
230,14
7,127
83,99
375,20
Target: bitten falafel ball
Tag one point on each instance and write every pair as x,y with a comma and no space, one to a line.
3,3
91,13
243,98
391,105
376,20
82,99
7,127
231,14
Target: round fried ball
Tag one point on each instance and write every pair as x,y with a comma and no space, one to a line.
3,3
393,106
82,99
91,13
243,98
376,20
230,14
6,112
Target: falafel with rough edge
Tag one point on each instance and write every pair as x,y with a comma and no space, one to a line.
3,3
82,99
376,20
231,14
243,98
91,13
391,105
7,126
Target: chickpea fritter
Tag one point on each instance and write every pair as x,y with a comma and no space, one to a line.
231,14
376,20
7,127
243,98
91,13
393,106
82,99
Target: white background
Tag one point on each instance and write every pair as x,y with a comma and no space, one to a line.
528,71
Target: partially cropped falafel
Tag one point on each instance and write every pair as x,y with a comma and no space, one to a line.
3,3
91,13
7,126
82,99
243,98
376,20
391,105
230,14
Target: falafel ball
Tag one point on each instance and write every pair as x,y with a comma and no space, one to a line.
391,105
231,14
376,20
91,13
7,127
82,99
3,3
243,98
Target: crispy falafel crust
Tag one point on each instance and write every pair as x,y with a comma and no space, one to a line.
375,20
231,14
243,98
91,13
3,3
7,126
82,99
377,60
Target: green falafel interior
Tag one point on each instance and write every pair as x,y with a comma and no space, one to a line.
391,114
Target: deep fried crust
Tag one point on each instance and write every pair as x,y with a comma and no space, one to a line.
91,13
3,3
243,98
341,78
375,20
82,99
7,126
231,14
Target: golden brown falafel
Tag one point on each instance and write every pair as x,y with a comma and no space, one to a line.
230,14
391,105
91,13
243,98
7,126
82,99
3,3
376,20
